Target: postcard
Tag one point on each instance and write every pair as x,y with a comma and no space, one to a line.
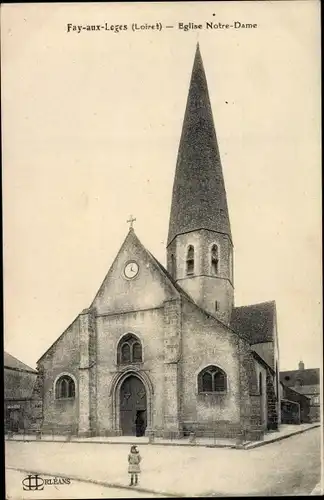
162,249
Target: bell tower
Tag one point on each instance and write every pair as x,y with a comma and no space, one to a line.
200,248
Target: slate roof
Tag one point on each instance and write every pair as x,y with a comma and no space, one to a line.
199,196
255,322
308,376
14,363
291,394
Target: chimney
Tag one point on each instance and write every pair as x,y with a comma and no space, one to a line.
301,365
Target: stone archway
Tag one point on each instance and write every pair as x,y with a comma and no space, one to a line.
132,407
121,385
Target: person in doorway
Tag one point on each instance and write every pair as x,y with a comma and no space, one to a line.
134,469
138,425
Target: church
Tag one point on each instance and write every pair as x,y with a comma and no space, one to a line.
164,350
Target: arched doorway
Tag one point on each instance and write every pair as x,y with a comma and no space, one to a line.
133,407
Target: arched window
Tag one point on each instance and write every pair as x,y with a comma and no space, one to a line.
212,379
137,352
129,350
260,384
190,260
214,260
125,353
219,381
207,382
65,387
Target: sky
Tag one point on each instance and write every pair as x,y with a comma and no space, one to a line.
91,126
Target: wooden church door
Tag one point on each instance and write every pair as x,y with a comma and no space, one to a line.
132,407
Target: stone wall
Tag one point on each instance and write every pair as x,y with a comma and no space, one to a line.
202,285
172,375
148,326
62,358
22,415
251,402
206,342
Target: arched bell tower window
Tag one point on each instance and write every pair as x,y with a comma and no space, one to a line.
190,262
214,260
212,379
65,387
129,350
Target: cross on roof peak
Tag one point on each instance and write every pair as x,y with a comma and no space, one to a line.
130,221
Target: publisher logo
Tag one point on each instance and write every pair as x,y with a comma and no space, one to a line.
33,482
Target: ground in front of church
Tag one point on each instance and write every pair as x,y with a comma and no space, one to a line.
278,468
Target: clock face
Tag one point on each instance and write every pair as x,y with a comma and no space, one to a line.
131,270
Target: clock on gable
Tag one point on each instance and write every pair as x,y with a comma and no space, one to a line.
131,270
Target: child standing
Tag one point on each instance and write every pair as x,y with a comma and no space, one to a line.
134,469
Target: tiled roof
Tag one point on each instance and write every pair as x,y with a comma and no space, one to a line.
199,196
308,376
14,363
290,394
254,322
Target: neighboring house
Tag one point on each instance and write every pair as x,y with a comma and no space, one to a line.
20,403
295,407
165,350
305,381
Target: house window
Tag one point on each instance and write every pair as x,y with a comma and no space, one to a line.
216,305
214,260
129,350
190,260
212,379
65,387
316,400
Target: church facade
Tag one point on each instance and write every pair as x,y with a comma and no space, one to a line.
166,350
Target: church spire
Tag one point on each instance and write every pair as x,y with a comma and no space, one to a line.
199,196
